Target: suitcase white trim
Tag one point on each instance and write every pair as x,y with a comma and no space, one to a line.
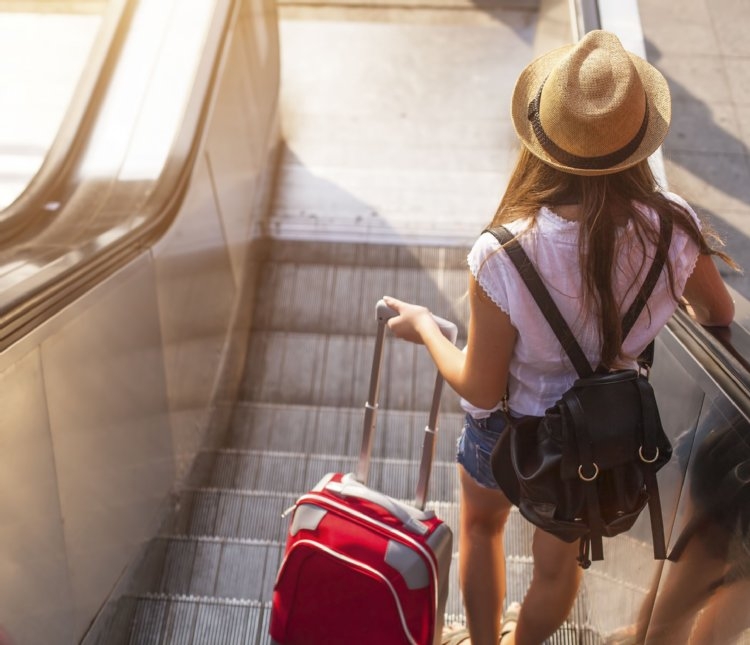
326,501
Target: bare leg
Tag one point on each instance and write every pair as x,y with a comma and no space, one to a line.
725,617
683,590
647,606
552,592
481,558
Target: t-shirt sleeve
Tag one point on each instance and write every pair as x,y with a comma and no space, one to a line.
488,264
683,252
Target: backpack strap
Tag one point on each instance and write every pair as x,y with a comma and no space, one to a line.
652,277
549,309
649,468
587,472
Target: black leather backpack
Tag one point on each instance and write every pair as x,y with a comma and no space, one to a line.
587,468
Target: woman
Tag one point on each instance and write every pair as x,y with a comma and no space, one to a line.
584,204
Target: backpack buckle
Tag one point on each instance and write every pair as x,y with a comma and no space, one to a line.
648,461
593,477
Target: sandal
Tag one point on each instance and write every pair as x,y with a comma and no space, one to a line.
622,636
510,618
455,635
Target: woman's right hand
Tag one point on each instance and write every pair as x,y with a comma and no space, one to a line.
412,320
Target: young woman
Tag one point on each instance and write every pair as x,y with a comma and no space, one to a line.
583,203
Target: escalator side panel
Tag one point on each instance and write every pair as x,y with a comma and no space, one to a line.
107,401
97,475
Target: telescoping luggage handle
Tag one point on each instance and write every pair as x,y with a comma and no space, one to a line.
450,331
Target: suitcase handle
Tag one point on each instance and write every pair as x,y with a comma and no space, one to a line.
450,331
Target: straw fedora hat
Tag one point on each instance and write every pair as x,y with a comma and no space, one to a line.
591,108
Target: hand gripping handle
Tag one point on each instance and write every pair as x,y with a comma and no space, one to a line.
450,331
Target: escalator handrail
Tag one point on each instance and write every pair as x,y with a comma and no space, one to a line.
24,310
25,212
719,350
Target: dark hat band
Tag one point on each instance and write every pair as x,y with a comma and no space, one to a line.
574,161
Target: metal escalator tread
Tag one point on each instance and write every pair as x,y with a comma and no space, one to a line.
318,297
219,567
296,472
338,430
211,570
231,513
332,370
235,514
190,620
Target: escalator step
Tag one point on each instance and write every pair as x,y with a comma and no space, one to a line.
333,370
211,567
186,620
305,297
333,430
234,514
297,472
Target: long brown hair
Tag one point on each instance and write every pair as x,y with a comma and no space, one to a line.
607,202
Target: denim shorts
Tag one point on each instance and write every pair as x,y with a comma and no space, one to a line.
475,445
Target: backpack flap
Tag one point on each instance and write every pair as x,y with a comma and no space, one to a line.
605,411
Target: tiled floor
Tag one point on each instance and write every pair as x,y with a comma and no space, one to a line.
396,120
701,47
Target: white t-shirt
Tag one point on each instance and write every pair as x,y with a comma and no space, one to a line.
540,371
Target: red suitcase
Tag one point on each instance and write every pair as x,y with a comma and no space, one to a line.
361,567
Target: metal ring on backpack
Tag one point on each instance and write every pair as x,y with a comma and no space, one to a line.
588,479
742,472
648,461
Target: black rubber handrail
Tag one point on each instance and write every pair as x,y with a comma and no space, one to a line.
722,351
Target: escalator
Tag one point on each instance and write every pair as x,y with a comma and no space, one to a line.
180,402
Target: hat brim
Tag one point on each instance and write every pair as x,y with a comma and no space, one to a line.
657,96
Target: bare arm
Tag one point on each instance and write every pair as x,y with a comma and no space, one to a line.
708,299
480,374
